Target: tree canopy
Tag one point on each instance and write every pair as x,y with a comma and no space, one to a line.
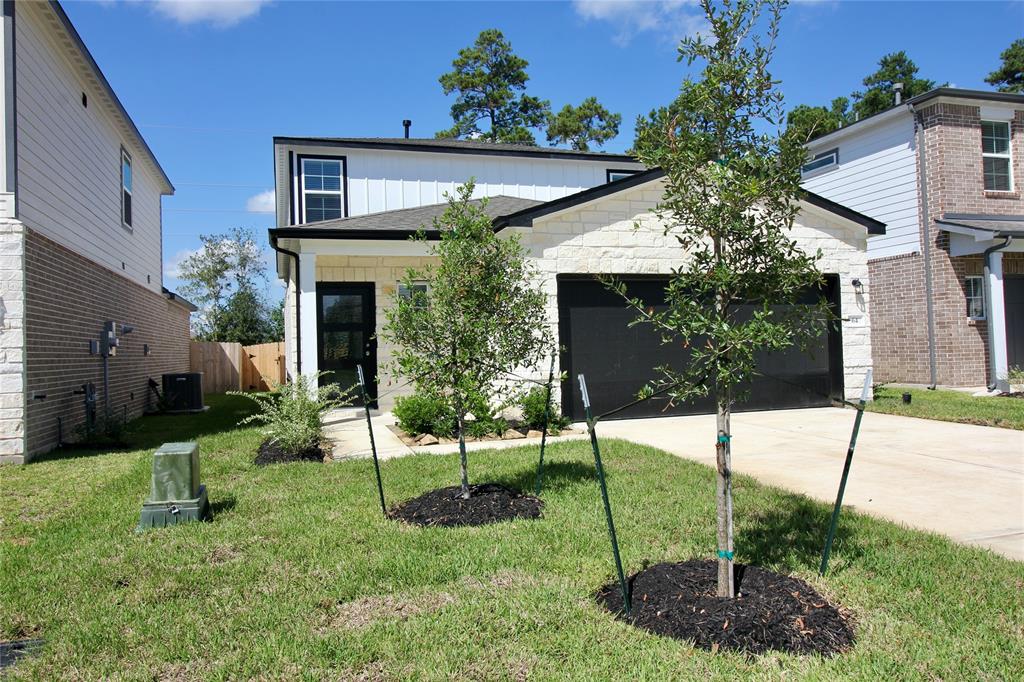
808,122
580,126
1009,77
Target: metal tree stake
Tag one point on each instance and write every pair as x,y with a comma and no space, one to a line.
373,443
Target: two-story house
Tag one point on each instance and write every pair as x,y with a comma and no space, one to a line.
347,207
944,171
80,241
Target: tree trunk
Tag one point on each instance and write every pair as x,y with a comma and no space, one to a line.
723,450
463,462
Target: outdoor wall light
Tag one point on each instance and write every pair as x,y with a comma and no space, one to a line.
857,284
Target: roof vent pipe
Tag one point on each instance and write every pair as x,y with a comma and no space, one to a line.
407,124
897,93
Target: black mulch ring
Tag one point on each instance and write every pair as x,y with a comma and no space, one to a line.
773,612
271,453
488,503
13,650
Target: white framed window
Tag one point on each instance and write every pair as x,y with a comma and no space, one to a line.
417,290
613,174
974,291
323,194
126,188
995,156
822,160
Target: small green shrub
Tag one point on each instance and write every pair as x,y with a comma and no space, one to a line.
532,405
293,413
109,429
423,413
1016,375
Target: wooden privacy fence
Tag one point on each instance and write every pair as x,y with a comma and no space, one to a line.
233,367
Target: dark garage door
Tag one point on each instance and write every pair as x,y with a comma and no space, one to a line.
1013,298
618,359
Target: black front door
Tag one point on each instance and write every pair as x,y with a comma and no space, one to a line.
1013,298
345,328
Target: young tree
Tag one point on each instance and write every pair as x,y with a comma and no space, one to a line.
730,199
580,126
1009,77
479,318
224,277
895,67
490,81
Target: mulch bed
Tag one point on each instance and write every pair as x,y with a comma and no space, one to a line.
271,453
772,611
488,503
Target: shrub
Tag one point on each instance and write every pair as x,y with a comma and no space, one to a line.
293,412
532,405
424,413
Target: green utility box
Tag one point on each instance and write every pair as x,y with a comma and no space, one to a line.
175,494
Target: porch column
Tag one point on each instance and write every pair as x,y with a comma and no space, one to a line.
307,306
996,314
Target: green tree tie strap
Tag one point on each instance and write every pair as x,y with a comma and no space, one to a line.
723,438
723,554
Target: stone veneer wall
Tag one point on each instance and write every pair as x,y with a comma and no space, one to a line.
12,341
955,184
68,299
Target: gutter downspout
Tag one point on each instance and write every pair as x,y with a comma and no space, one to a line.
927,245
298,309
989,312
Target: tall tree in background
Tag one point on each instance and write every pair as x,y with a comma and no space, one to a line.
579,127
730,200
490,82
224,278
1009,77
895,67
807,122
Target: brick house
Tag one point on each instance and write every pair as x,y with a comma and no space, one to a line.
944,171
80,240
346,208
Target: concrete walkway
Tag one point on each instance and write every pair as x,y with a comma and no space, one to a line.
964,481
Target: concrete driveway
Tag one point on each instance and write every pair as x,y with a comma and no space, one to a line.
966,482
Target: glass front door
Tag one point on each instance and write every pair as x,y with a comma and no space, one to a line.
345,324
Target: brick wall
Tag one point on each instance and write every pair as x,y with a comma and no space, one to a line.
68,298
955,184
12,341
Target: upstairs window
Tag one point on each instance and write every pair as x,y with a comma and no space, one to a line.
126,188
995,154
974,291
822,160
614,175
322,194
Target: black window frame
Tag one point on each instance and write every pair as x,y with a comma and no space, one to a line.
300,198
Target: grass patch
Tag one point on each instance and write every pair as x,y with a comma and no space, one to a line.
950,406
298,576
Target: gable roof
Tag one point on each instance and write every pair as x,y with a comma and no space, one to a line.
453,146
85,61
397,224
510,212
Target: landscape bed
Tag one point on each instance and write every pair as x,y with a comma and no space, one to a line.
299,575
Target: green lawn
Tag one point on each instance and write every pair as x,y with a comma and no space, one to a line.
950,406
299,576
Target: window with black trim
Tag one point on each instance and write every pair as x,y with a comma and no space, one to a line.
126,188
612,174
322,190
822,160
974,291
995,155
417,293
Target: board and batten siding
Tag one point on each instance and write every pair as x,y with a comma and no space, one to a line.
69,162
877,176
386,180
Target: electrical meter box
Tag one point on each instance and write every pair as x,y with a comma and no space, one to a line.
175,494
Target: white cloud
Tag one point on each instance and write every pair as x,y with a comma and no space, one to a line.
218,13
667,20
263,202
172,267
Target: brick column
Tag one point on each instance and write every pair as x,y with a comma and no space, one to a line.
12,341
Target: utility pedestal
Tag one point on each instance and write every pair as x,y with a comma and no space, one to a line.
175,494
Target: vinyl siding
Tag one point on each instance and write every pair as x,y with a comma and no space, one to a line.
69,162
389,180
877,176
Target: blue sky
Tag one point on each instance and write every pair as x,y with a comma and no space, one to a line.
210,83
